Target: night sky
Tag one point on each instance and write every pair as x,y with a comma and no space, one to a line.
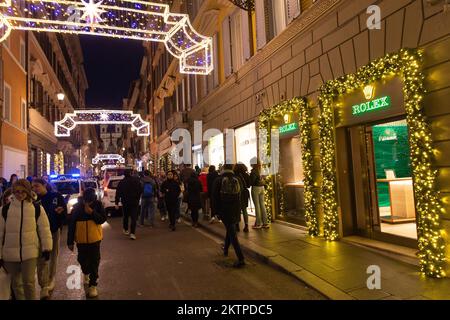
110,64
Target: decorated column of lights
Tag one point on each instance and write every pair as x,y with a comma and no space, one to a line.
138,20
407,64
108,157
266,120
71,120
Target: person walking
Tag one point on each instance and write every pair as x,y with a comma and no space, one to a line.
25,230
257,184
241,172
85,229
129,192
149,193
12,180
161,202
56,210
226,199
204,197
181,196
171,190
194,188
210,178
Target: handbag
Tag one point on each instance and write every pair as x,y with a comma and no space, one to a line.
5,285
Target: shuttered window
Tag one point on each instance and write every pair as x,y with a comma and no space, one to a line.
260,24
226,46
7,102
292,10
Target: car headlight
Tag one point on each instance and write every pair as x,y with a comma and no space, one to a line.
73,202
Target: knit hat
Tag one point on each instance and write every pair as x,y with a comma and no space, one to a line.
25,185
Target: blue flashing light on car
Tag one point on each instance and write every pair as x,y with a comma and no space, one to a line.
75,175
53,176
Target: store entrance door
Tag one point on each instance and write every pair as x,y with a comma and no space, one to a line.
383,197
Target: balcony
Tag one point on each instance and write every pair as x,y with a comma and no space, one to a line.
178,120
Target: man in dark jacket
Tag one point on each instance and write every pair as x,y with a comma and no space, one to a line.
56,210
226,198
85,229
171,191
149,193
129,192
210,178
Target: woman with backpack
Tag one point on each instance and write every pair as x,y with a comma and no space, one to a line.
25,234
240,170
194,188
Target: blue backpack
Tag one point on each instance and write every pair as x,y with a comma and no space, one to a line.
148,190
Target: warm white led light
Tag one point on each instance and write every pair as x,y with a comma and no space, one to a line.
71,120
108,157
138,20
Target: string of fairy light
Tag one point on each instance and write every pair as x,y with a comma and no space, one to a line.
129,19
71,120
407,64
267,119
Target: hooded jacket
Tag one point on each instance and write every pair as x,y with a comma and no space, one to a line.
86,228
50,201
129,191
229,212
22,236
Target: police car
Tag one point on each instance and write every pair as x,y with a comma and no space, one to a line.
70,186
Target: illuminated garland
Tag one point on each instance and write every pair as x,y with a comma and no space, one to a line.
406,63
71,120
266,119
108,157
129,19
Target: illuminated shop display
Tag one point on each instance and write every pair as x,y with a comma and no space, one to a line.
267,119
407,65
71,120
138,20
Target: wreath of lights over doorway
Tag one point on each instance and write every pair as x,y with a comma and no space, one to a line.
138,20
71,120
108,157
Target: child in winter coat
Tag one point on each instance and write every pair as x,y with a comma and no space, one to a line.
85,228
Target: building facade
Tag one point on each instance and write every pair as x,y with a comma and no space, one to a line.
57,85
13,130
357,104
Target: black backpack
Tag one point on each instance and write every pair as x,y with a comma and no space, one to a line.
230,189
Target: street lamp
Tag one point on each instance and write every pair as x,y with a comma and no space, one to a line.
60,96
89,141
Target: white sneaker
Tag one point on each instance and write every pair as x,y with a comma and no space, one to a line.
45,293
86,279
132,237
212,220
92,292
179,220
51,286
126,232
163,218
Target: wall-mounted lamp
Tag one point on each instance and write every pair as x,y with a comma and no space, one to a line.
60,96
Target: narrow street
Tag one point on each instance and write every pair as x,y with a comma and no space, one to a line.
185,264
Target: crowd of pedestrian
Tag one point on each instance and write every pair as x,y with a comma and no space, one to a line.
33,215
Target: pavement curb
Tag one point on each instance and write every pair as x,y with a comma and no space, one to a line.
279,262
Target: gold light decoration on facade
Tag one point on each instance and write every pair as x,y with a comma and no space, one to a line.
266,120
406,64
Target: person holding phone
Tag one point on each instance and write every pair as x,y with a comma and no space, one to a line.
85,229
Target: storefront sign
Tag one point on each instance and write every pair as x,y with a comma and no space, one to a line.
289,127
373,105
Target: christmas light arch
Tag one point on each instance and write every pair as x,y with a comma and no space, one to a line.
71,120
138,20
108,157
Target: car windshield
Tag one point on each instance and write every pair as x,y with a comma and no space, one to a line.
113,184
67,187
90,184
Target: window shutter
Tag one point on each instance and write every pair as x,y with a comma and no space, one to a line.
245,36
226,46
292,9
260,24
268,19
236,40
7,103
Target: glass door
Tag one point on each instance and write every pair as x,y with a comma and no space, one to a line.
390,179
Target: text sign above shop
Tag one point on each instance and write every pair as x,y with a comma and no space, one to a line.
361,106
289,127
383,102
